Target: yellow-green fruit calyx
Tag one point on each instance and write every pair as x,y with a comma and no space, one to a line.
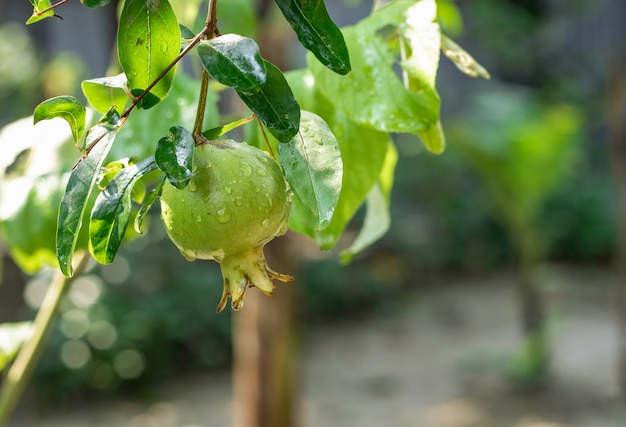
236,202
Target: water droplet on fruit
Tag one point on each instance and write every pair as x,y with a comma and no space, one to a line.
261,172
192,185
246,169
265,222
237,305
198,218
227,189
223,216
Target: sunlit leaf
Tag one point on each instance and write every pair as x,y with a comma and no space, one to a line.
38,6
79,188
463,60
148,41
373,95
434,139
275,105
147,203
174,156
312,165
67,108
377,217
111,212
234,61
12,337
362,153
104,92
317,32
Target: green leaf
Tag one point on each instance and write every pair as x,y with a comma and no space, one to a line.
38,6
104,92
174,156
148,41
275,105
67,108
234,61
373,95
421,38
12,337
79,188
463,60
35,161
377,217
317,32
111,212
94,4
312,165
140,134
362,153
147,203
434,139
218,131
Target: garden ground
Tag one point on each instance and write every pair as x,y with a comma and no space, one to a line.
438,358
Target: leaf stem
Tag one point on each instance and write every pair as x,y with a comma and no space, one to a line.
167,69
211,32
21,371
41,12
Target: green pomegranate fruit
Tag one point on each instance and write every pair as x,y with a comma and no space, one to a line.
236,202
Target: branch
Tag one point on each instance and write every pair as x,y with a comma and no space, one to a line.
22,369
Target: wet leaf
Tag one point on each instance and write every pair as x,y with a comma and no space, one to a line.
373,95
147,203
111,212
67,108
275,105
104,92
79,187
216,132
317,32
234,61
312,165
148,41
174,156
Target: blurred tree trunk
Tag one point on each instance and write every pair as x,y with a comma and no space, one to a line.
532,365
264,332
265,355
617,150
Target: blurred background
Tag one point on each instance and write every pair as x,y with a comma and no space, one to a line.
495,299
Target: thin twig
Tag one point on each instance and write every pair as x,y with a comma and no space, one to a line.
211,32
22,369
41,12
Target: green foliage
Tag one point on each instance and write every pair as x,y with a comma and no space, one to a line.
317,32
275,105
234,61
312,166
174,156
12,336
148,40
103,92
80,186
67,108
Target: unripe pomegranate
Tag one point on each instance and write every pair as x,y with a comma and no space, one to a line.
236,202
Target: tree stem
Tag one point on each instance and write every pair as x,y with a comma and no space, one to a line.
22,369
211,32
